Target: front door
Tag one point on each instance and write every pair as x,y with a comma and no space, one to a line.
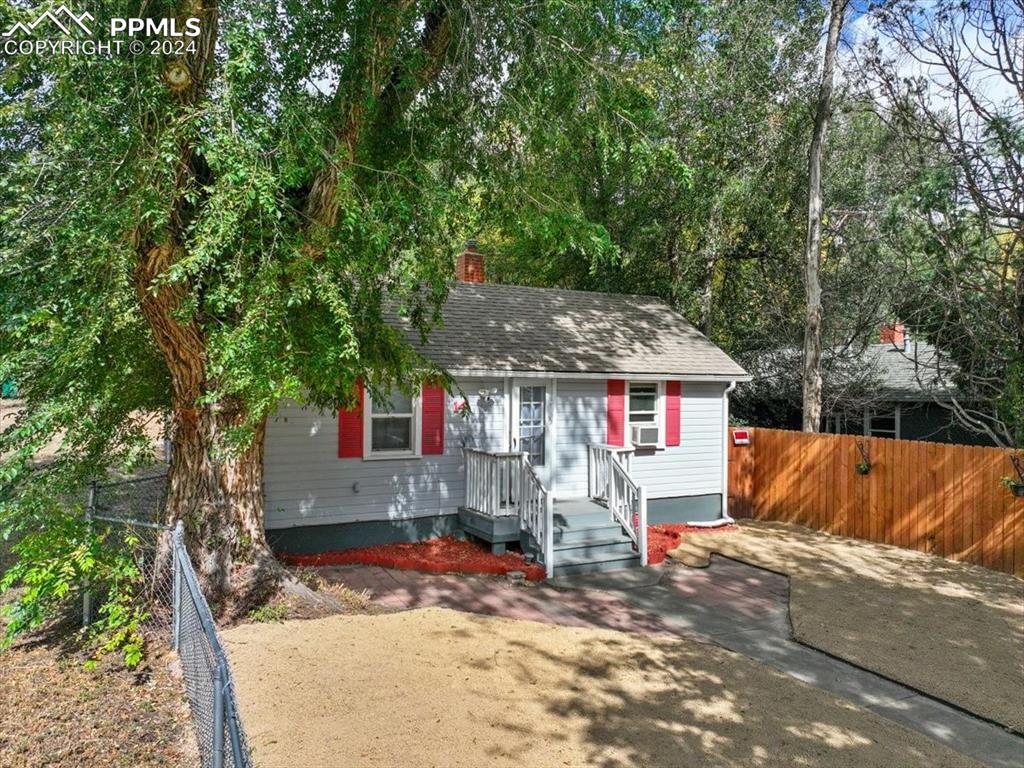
531,413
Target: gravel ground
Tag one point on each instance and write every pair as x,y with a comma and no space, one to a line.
953,630
435,687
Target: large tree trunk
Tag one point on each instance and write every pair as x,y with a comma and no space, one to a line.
218,495
256,573
812,254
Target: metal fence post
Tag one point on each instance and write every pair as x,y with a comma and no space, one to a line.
176,592
233,730
90,508
218,716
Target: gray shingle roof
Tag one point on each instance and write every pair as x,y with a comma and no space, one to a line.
917,373
489,327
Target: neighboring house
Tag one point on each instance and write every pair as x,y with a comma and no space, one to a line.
898,388
589,415
909,385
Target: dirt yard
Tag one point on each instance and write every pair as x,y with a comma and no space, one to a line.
55,713
435,687
953,630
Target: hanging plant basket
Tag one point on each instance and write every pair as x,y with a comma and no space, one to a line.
1016,485
863,466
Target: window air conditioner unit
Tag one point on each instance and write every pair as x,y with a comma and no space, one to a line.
645,436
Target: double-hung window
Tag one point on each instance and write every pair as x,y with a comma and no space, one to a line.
393,426
643,403
644,415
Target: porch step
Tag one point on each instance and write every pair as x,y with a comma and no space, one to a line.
591,548
586,539
593,514
568,533
615,561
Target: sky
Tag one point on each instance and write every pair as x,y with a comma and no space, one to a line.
975,52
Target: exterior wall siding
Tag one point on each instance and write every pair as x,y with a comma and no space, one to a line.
305,483
692,468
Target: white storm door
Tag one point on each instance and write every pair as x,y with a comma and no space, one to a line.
531,421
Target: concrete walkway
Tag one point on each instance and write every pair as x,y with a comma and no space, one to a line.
730,604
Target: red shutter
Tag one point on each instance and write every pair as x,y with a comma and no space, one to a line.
673,400
350,430
432,406
616,412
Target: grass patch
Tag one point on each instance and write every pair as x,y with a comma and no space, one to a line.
272,612
354,601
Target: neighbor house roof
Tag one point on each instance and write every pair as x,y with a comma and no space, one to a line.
918,372
504,328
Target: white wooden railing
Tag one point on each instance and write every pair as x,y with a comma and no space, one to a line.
599,459
610,481
506,484
493,482
537,515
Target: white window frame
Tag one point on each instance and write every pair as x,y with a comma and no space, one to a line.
417,432
870,413
659,409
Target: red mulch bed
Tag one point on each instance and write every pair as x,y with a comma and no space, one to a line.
662,538
449,555
442,555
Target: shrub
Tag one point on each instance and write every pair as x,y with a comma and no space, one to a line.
272,612
57,560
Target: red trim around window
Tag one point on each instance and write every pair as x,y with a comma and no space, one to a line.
432,406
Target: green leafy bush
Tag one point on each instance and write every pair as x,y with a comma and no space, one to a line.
270,613
58,559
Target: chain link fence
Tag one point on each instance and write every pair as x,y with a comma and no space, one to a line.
169,593
128,514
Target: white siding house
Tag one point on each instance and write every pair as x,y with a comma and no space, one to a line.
692,468
306,483
567,394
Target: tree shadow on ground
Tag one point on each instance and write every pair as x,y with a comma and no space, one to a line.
953,630
440,687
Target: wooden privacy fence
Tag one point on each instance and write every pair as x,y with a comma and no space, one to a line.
942,499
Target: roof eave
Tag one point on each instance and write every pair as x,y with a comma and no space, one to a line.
600,375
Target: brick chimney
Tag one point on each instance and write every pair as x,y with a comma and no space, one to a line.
895,334
470,268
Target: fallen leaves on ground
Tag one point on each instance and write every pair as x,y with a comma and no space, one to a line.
56,713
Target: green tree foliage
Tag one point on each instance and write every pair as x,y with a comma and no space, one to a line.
203,235
958,113
60,555
690,179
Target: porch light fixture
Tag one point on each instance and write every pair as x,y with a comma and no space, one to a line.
487,395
